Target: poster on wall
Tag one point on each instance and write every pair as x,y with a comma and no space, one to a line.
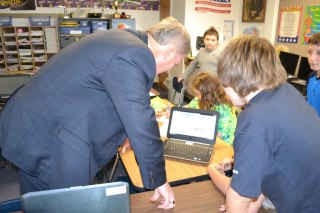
213,6
228,30
253,30
289,24
18,5
311,23
123,4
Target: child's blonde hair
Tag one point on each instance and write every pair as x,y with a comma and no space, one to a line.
249,63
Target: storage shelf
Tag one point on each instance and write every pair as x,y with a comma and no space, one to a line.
73,29
25,48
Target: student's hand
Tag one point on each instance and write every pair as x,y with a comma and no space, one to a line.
167,196
226,164
180,79
218,167
126,145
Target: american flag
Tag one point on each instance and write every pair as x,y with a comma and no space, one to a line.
213,6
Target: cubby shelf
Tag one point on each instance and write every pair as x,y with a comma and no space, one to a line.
26,48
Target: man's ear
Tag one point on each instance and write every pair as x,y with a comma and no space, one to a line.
170,51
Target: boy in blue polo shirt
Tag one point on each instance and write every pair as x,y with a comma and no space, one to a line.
313,84
277,135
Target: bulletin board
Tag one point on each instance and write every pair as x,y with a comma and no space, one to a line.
311,23
299,47
289,24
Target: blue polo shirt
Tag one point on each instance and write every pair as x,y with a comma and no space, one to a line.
276,146
313,93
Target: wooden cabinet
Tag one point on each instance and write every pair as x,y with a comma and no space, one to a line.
25,49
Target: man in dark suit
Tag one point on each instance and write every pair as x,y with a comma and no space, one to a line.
69,119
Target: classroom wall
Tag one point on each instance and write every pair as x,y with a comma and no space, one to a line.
184,11
297,48
197,22
178,10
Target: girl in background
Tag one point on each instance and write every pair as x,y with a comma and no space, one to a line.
211,96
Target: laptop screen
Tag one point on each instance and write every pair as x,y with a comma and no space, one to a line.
289,61
193,125
304,68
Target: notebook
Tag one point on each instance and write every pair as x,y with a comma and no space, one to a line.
107,197
191,134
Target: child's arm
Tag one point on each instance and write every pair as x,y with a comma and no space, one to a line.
237,203
190,69
221,181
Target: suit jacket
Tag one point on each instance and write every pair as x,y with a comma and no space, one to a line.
72,115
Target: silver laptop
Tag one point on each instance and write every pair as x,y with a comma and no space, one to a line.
108,197
191,134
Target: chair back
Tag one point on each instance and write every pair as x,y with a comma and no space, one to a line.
10,83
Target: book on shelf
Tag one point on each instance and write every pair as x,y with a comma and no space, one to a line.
23,34
36,33
9,34
10,43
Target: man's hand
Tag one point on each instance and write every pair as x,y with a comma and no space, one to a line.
167,196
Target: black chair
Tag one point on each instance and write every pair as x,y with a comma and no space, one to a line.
10,83
179,88
199,42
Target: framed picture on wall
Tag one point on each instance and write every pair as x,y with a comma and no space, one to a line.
254,10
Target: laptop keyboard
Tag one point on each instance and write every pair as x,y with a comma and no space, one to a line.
191,149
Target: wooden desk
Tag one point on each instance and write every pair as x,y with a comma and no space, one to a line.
192,198
178,171
153,92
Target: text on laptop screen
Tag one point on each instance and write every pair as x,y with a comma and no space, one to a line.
193,124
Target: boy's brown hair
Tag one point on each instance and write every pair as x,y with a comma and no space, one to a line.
250,63
314,39
211,31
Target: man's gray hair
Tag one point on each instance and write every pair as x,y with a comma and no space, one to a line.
171,31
